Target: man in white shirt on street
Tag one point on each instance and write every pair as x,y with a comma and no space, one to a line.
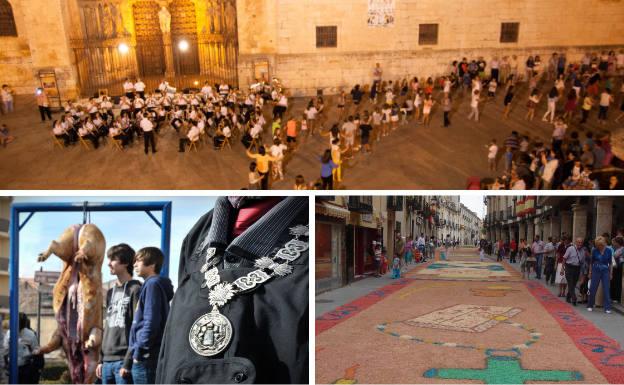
139,87
148,134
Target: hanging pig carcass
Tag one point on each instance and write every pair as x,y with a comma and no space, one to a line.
77,299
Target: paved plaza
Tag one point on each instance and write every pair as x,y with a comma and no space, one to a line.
412,157
459,321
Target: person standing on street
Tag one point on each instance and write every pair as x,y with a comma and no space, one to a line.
148,134
600,273
44,104
121,300
549,261
537,248
573,258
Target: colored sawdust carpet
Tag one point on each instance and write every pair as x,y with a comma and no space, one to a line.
458,331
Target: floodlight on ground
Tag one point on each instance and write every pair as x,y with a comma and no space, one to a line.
183,45
123,48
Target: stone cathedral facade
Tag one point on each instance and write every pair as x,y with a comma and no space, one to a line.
91,45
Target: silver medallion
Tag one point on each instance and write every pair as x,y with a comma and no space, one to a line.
210,334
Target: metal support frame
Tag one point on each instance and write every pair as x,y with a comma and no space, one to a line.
31,209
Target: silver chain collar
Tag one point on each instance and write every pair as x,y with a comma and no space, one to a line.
211,333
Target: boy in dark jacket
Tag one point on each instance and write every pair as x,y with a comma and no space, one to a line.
150,317
121,300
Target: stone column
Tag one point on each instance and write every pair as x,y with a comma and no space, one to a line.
168,48
511,232
530,235
555,227
604,215
579,221
566,223
522,226
539,226
604,224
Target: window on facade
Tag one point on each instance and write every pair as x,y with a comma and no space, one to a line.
7,22
326,36
509,32
428,34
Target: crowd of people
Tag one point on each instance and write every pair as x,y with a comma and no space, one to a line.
578,267
575,156
409,251
271,129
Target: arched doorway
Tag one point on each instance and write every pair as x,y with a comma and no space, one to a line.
149,43
111,44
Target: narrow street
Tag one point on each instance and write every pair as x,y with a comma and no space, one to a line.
462,320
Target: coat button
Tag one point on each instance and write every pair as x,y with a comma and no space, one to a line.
239,377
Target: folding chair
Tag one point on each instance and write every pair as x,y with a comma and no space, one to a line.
254,143
116,144
193,145
226,142
84,142
57,142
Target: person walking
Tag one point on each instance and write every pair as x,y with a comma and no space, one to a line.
474,105
560,279
538,251
573,258
549,261
446,107
601,272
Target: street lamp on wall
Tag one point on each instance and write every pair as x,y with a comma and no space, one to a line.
123,48
183,45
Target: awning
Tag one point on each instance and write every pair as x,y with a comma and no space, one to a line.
331,210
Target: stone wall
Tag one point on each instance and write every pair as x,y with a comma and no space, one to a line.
41,44
287,38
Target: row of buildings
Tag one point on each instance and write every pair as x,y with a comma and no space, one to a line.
347,226
524,217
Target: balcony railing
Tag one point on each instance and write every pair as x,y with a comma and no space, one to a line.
395,203
361,204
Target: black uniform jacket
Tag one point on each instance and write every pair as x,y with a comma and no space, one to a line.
270,324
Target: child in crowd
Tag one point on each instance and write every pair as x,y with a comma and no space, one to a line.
396,267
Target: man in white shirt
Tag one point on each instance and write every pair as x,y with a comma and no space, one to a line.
492,152
148,134
256,130
139,87
277,151
348,129
128,88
